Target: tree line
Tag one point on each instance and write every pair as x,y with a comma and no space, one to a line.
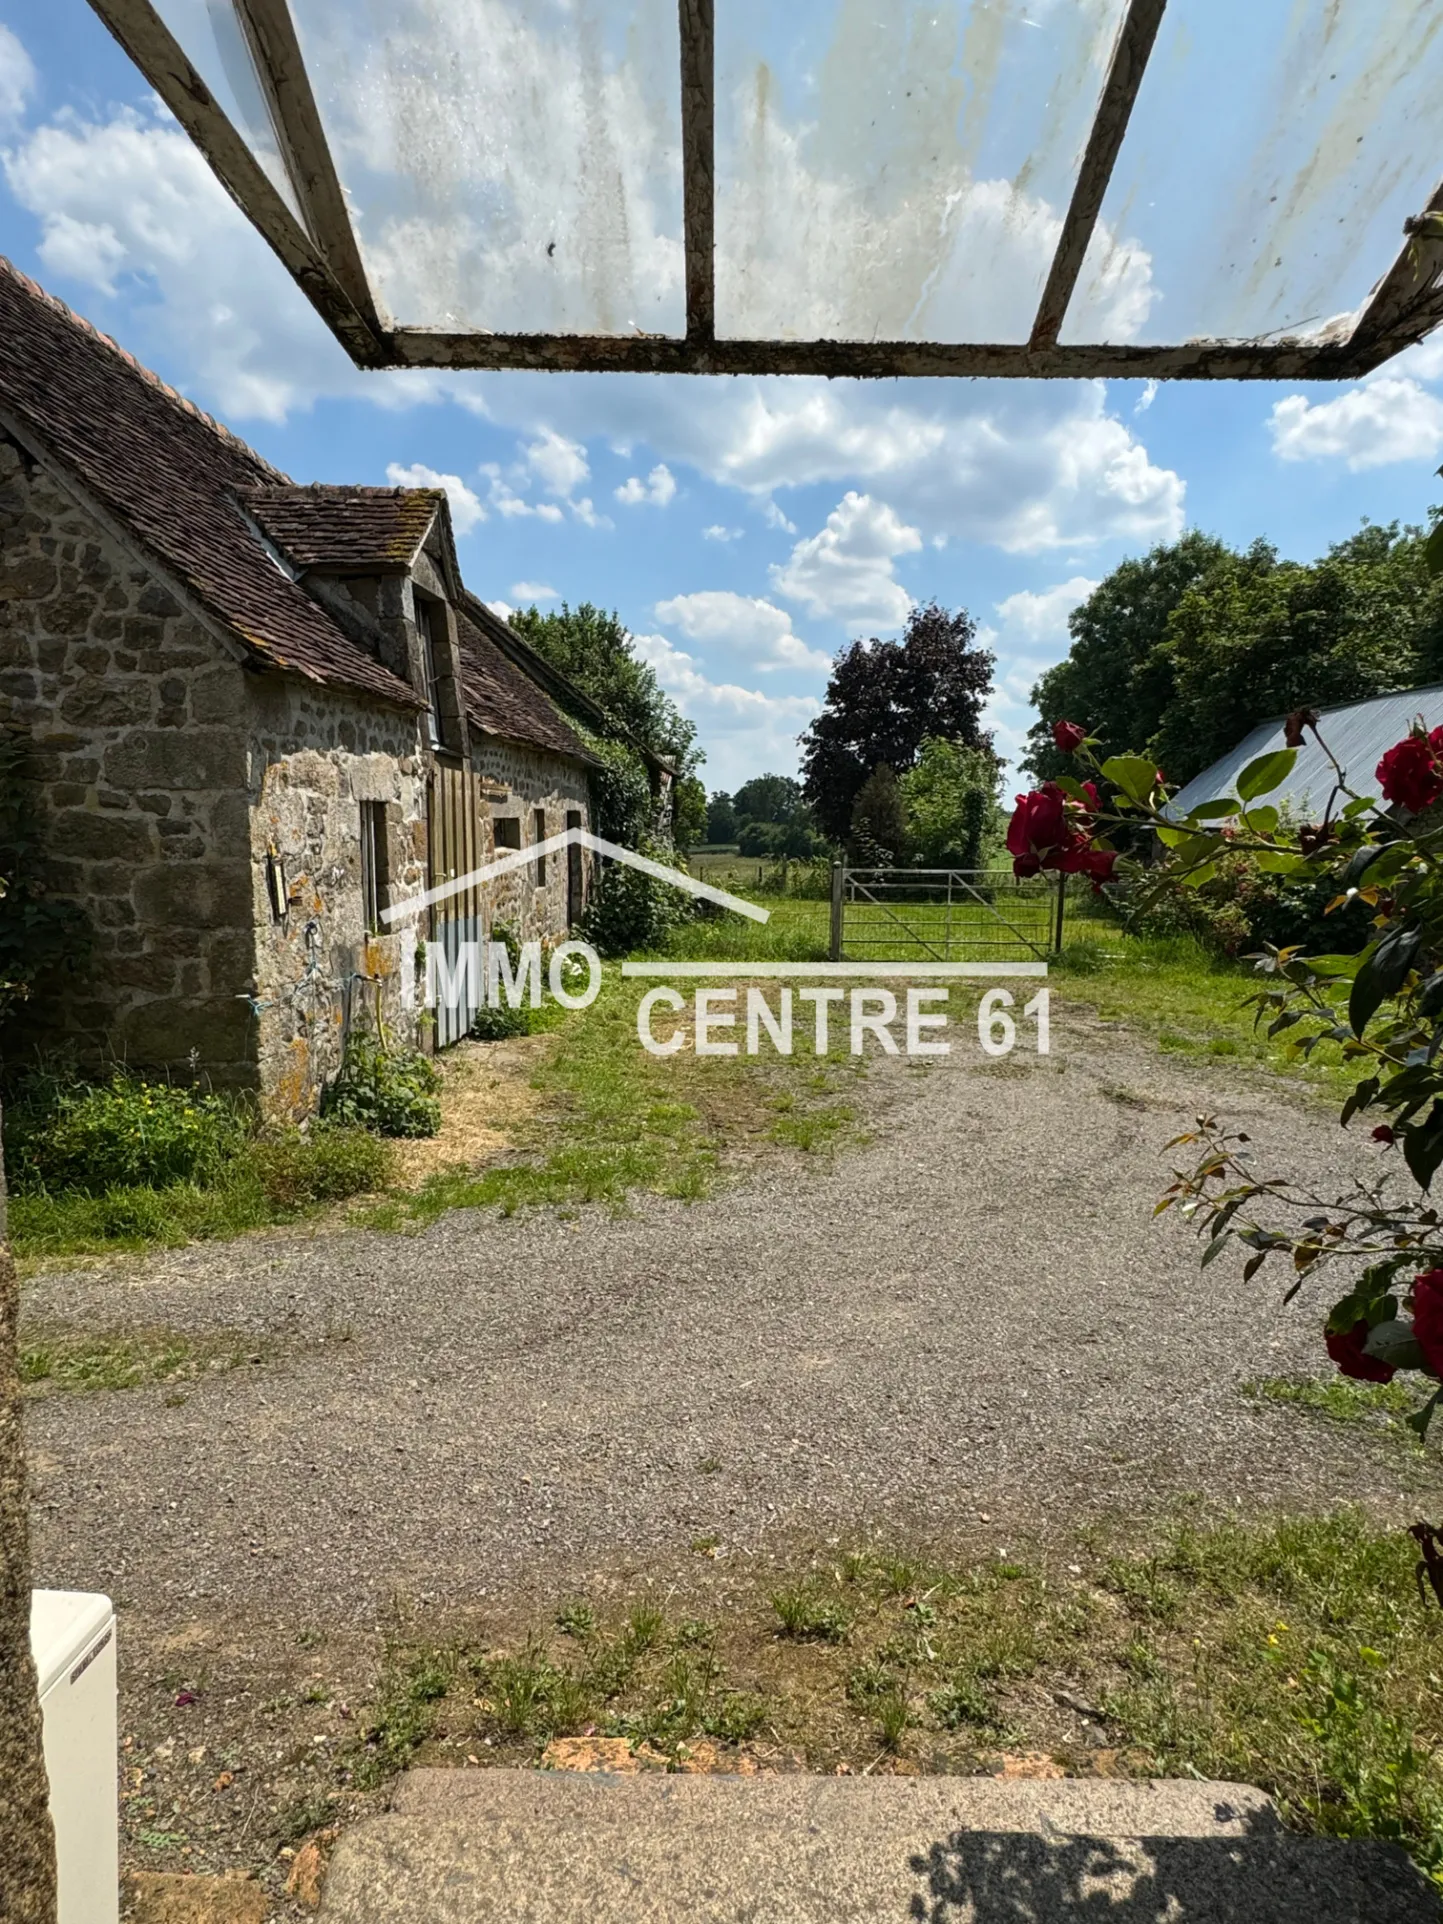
1180,652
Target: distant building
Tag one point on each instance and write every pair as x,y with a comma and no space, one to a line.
257,713
1357,734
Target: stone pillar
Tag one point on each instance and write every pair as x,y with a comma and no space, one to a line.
27,1842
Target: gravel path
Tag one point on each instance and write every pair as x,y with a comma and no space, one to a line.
971,1324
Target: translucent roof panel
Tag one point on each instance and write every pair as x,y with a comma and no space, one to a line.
1274,152
899,171
510,165
216,47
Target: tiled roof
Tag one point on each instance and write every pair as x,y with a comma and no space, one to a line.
169,474
331,527
501,700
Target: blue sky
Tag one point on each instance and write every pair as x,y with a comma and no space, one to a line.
744,530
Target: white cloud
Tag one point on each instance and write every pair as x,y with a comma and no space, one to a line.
745,731
558,464
1146,398
656,491
17,80
533,591
507,503
844,571
1389,418
502,608
1031,634
1024,466
746,624
466,508
716,532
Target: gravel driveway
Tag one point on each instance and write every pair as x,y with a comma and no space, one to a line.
970,1325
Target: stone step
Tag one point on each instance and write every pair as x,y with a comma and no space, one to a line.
554,1847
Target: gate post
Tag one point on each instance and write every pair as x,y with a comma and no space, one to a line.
834,948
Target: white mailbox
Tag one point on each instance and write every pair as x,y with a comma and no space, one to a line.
72,1639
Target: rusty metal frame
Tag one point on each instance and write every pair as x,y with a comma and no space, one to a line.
324,259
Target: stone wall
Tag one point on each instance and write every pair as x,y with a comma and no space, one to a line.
316,755
136,716
531,780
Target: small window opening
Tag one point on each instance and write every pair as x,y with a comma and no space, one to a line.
375,876
538,823
508,831
426,621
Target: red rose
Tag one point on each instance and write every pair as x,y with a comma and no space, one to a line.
1038,825
1345,1346
1435,740
1428,1316
1069,736
1409,775
1383,1133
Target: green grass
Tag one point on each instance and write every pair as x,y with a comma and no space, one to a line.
70,1361
615,1120
1296,1654
1343,1400
271,1180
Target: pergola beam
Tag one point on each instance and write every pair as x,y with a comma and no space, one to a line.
151,45
1286,360
271,35
1130,56
1408,301
697,21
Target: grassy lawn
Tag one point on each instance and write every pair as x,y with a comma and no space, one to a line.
1297,1655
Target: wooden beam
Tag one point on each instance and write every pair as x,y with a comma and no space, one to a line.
1130,56
154,49
698,159
1408,302
1282,360
271,35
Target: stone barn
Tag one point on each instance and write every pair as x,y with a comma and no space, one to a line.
256,714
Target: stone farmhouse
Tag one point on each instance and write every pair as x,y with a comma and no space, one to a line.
257,714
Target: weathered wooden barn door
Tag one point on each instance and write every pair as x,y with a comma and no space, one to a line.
455,850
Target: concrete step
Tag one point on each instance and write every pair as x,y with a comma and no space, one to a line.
553,1847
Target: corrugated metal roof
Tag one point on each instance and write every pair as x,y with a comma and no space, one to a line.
1357,734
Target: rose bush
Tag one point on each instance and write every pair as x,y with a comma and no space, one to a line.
1382,1239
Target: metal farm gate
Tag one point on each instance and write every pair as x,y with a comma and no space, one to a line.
944,914
456,847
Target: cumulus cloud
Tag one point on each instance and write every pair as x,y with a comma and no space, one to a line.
655,491
744,624
716,532
845,571
466,508
1029,636
744,729
17,80
558,464
504,499
1389,418
533,591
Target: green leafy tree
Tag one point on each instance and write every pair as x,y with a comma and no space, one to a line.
884,699
1178,654
1111,681
690,822
950,801
878,836
721,818
597,651
769,798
